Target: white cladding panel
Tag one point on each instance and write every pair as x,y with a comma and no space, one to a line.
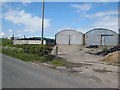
28,42
69,36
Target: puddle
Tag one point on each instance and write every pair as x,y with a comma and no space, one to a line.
72,71
70,65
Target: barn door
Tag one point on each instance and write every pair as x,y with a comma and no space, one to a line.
73,39
69,39
103,40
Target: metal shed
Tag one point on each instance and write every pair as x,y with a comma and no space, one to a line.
69,37
101,36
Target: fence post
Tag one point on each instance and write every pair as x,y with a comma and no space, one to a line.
56,53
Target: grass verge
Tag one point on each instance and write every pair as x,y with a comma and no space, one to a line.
59,62
28,57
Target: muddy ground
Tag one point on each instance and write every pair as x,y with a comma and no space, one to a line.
88,66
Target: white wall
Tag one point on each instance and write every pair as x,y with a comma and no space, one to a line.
28,42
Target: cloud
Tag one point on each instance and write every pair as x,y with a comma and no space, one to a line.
26,2
109,22
84,7
30,22
64,27
10,30
83,29
108,19
101,14
0,3
2,34
0,26
5,5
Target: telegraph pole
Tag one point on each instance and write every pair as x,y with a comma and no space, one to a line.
118,24
119,37
42,21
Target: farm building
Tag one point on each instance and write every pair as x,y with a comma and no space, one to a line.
69,37
34,40
100,36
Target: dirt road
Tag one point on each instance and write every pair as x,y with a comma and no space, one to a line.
94,68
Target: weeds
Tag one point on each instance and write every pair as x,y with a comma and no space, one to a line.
59,62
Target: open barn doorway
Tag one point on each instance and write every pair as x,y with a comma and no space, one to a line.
105,38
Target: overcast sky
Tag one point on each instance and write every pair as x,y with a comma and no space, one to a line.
24,18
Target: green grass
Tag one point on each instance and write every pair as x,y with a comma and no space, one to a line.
33,57
22,56
18,53
28,57
59,62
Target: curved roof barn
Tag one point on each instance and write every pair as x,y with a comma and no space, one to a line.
69,37
101,36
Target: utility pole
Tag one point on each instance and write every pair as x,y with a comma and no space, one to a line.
118,25
42,22
24,36
12,37
119,37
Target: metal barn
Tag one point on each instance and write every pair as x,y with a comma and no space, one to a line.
69,37
101,36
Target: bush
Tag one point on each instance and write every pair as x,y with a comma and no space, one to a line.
40,50
20,50
6,42
35,52
13,50
29,52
